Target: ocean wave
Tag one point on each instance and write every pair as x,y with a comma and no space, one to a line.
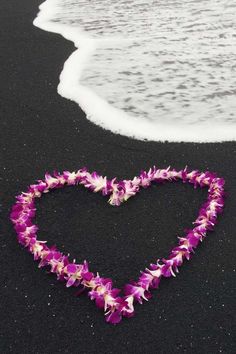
156,70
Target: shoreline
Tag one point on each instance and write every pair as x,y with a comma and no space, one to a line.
106,115
40,131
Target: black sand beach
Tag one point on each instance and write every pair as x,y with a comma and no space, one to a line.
40,131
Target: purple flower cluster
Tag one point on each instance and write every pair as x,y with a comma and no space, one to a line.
101,289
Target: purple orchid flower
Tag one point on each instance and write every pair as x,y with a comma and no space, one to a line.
100,289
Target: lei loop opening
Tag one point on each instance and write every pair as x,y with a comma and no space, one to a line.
78,275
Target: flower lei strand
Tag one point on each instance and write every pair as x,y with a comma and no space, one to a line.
100,289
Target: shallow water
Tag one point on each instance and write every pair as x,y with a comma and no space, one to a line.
167,66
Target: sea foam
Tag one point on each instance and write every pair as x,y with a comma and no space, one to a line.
156,70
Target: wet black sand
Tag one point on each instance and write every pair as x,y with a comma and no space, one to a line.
40,131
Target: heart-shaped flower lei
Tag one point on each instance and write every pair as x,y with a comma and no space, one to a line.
100,289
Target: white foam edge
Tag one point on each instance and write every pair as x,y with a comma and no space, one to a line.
99,111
